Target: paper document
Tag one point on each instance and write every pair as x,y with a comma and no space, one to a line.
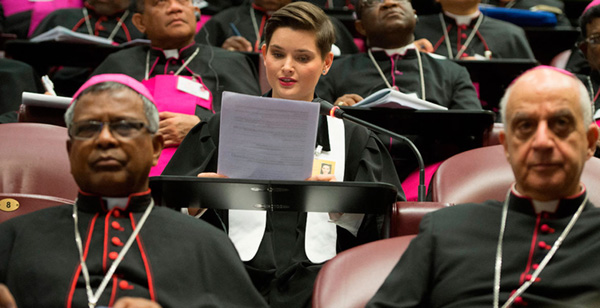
266,138
43,100
62,34
389,98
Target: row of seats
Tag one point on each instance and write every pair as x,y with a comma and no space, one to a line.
34,162
351,278
35,173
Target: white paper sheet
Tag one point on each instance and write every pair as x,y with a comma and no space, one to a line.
42,100
266,138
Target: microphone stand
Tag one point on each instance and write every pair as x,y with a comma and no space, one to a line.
336,112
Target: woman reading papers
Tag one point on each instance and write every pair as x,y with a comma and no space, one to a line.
291,247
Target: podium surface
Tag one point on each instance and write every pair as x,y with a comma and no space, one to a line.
299,196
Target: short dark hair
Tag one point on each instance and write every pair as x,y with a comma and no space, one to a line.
587,18
303,16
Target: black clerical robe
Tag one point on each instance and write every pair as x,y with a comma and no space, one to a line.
176,260
101,25
280,270
15,78
219,69
503,39
451,262
446,83
68,79
218,29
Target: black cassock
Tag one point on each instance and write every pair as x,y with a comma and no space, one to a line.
68,79
219,69
280,270
446,83
451,262
176,260
218,28
101,25
15,78
503,39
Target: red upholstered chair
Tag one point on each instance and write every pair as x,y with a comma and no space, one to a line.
406,216
34,167
483,174
352,277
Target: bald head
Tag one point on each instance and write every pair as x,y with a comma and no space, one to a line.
544,77
548,133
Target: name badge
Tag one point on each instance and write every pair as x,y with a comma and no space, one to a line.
192,87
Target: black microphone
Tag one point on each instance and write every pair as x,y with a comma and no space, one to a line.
337,112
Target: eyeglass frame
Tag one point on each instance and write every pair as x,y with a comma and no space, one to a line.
593,39
137,127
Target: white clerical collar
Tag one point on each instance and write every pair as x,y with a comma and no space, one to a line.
396,51
463,19
111,203
545,206
171,53
542,206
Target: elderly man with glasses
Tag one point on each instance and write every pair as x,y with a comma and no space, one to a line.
589,23
113,247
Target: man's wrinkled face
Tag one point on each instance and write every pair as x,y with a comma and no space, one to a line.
108,164
166,21
545,139
389,15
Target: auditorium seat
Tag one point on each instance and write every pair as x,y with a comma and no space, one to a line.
406,216
483,174
35,167
352,277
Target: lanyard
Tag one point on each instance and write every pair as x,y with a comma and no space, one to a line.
93,297
595,96
86,16
185,64
467,42
421,74
257,32
536,273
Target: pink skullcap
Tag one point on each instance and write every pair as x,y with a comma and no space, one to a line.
118,78
539,67
593,3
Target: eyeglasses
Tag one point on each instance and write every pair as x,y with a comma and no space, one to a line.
369,3
120,129
594,39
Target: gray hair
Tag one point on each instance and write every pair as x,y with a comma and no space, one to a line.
150,109
584,100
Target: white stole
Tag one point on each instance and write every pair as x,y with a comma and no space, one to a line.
247,228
